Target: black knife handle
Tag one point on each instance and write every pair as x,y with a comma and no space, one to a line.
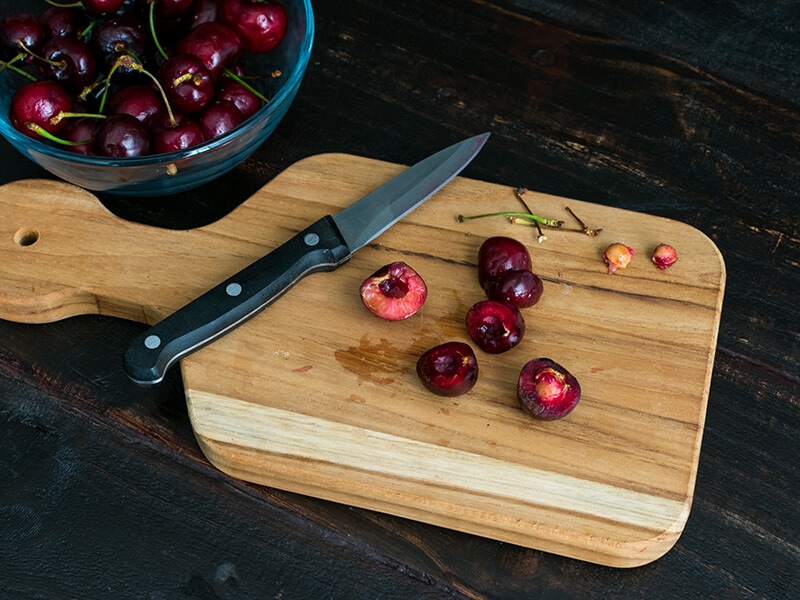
319,247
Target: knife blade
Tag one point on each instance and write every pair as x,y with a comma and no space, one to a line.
323,246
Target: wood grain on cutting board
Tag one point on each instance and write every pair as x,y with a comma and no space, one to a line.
317,396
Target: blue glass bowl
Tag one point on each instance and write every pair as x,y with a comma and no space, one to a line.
148,175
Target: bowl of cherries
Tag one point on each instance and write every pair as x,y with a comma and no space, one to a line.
148,97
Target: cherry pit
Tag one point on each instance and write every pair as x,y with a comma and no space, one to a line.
125,78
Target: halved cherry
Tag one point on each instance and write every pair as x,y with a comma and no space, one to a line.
394,292
449,369
495,326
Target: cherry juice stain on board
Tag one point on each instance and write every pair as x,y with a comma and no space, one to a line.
379,362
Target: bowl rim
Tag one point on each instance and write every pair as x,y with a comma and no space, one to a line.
284,93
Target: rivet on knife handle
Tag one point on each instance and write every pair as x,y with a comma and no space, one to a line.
320,247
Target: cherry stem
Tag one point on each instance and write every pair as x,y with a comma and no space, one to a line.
518,193
247,86
133,63
584,229
47,135
10,65
526,218
30,52
160,49
71,5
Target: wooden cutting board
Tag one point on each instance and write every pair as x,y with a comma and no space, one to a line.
317,396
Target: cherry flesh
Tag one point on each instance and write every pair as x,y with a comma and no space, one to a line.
260,24
546,390
495,326
449,369
516,287
499,254
394,292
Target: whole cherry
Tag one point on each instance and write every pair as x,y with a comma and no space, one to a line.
67,60
260,24
121,136
499,254
39,105
520,288
213,43
219,117
449,369
187,83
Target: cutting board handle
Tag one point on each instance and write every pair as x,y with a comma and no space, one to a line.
64,254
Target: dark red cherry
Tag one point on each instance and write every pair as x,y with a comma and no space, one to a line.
187,83
39,103
61,21
213,43
172,9
495,326
124,34
219,117
83,129
140,101
245,100
499,254
102,7
169,137
68,61
260,24
19,30
204,11
121,136
449,369
518,288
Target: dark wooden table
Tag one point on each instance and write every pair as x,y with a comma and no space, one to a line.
684,110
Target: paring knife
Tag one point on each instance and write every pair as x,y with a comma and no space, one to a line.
323,246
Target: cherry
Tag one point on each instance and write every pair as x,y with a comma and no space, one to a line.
122,136
172,9
20,32
260,24
394,292
140,101
205,11
499,254
449,369
81,133
124,34
244,99
219,117
68,61
61,21
187,83
39,104
517,287
546,390
213,43
169,137
495,326
102,7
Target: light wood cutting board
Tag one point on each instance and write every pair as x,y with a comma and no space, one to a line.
317,396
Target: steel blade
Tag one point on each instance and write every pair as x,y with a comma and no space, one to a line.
367,218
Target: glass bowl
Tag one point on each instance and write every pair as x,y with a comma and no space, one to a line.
174,172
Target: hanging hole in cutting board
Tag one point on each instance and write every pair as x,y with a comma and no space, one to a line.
26,237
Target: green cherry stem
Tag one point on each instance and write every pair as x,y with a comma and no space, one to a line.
231,75
11,66
160,49
47,135
527,218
